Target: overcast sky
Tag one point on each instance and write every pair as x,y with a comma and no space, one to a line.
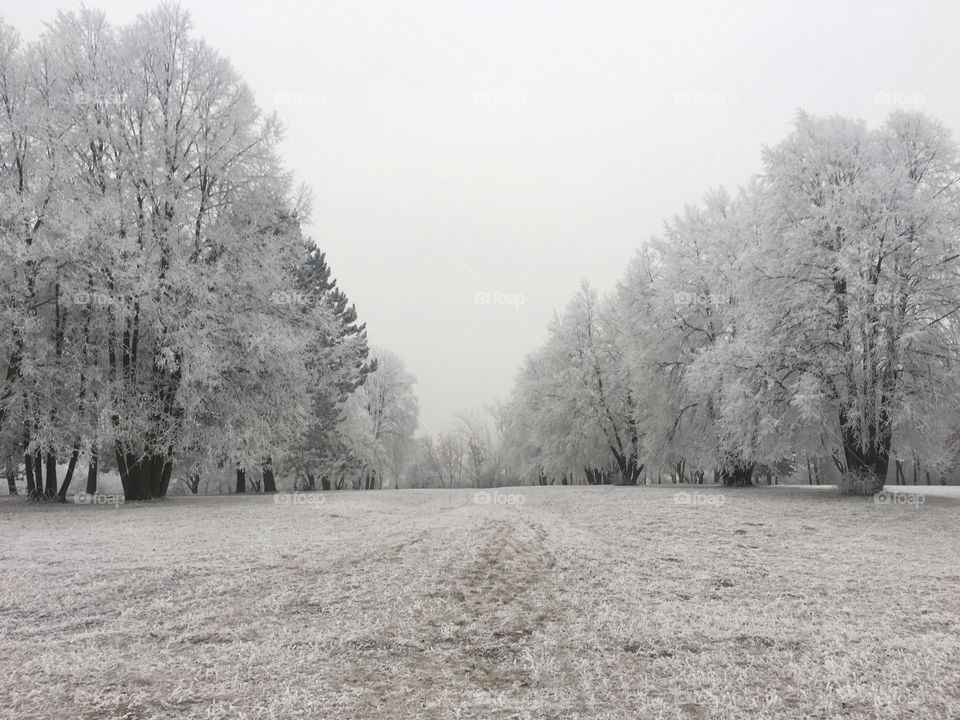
471,162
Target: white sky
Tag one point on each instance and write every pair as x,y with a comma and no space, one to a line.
517,147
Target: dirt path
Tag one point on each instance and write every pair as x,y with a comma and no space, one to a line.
489,605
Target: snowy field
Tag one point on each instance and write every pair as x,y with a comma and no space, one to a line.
555,602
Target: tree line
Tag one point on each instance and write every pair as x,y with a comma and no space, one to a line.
811,314
159,301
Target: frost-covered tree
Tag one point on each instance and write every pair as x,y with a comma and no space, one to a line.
152,261
574,399
848,324
381,418
474,432
338,360
677,301
450,458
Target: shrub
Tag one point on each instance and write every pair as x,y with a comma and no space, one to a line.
860,482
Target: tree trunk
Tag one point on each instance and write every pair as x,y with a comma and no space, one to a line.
92,471
62,493
50,491
38,473
872,462
138,473
629,469
269,484
13,371
157,464
681,472
165,475
740,475
124,471
11,477
28,471
146,477
241,480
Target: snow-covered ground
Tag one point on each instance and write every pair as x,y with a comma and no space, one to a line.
556,602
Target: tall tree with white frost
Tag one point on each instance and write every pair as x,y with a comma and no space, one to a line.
849,307
574,397
382,417
151,257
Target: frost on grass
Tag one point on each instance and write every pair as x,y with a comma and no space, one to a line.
578,602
